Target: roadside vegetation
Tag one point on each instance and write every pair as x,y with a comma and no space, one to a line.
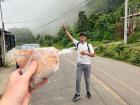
104,27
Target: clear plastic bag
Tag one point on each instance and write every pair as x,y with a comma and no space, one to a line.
48,62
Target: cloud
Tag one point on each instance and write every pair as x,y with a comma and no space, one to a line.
34,14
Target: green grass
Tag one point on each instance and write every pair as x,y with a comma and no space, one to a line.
129,53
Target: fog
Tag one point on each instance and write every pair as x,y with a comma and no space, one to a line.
42,16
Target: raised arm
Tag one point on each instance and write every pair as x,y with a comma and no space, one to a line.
68,33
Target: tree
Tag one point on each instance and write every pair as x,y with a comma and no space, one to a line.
82,23
62,37
22,34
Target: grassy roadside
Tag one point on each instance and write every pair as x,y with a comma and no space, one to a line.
129,53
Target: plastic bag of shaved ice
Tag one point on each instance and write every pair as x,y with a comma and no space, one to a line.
47,59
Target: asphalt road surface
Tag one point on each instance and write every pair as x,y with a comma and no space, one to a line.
112,83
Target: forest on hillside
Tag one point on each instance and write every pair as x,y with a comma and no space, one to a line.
104,24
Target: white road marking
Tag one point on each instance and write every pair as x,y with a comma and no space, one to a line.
105,86
122,83
110,90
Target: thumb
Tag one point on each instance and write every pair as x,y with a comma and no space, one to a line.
30,70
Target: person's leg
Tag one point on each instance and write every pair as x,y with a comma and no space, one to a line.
87,71
78,77
78,80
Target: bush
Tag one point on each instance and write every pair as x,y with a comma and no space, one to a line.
100,49
135,38
120,52
135,57
106,41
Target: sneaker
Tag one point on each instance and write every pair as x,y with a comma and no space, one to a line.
76,97
88,95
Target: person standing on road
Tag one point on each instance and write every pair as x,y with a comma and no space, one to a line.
85,51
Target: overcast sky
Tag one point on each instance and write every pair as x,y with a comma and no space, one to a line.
34,14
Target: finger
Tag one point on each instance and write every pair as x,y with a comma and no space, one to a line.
30,70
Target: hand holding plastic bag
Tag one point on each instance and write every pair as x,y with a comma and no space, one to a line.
48,63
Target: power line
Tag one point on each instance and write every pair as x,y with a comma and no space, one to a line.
62,15
26,21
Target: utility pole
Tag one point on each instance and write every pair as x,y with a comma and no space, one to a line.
3,35
1,12
125,22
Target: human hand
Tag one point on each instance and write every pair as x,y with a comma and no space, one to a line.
64,27
17,91
84,53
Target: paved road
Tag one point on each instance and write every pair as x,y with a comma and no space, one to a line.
112,83
124,79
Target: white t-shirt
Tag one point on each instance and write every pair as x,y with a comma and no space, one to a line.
83,59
